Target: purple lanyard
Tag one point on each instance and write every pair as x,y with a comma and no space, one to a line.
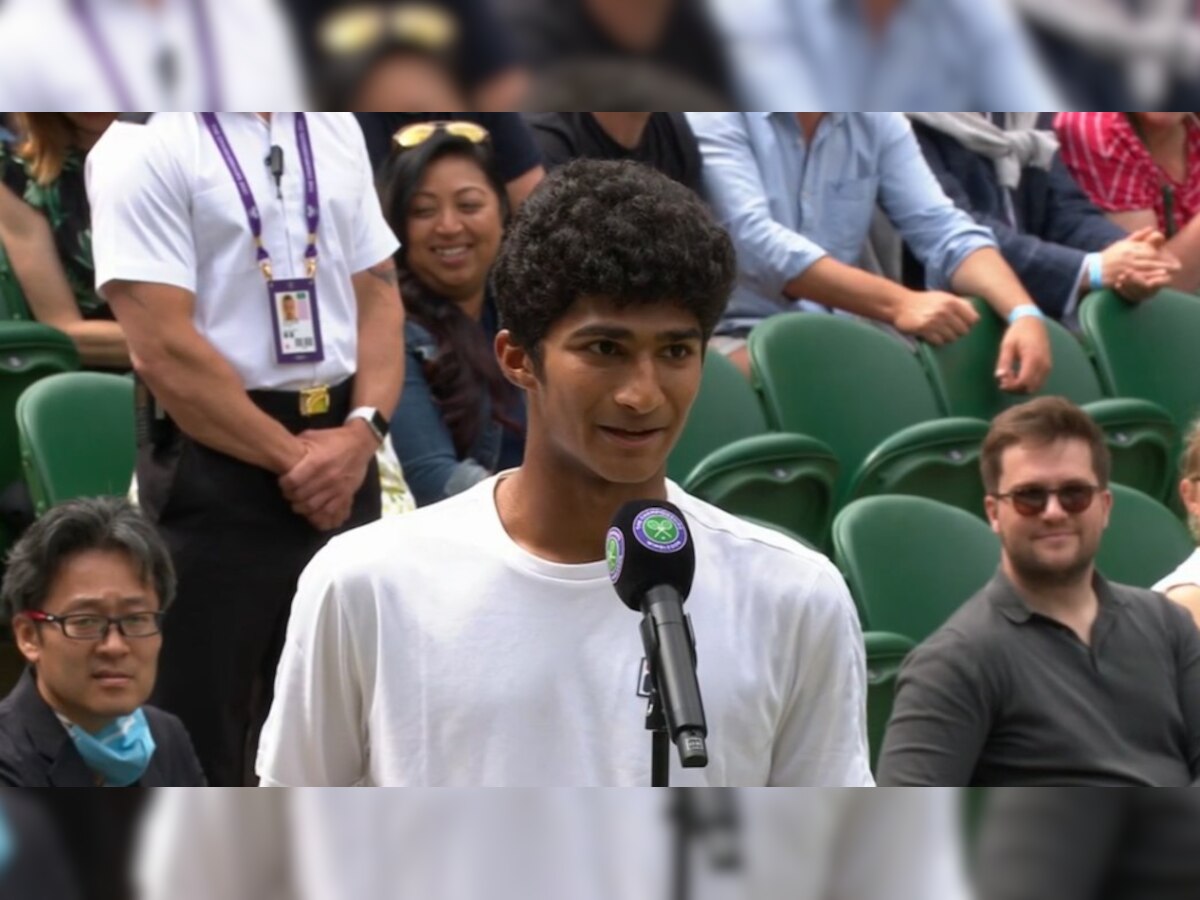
208,54
312,205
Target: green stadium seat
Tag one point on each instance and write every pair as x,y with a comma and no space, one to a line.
726,456
784,479
77,437
1144,540
911,562
1141,435
12,298
28,351
1147,350
885,654
863,393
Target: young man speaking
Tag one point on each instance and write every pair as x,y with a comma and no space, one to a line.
479,641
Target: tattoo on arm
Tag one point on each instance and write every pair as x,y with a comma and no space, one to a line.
385,272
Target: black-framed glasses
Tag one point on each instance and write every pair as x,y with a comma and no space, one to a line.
92,627
1033,500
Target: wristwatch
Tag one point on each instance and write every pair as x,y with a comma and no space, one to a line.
374,419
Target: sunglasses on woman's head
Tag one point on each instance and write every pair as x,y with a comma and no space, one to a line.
1033,500
419,132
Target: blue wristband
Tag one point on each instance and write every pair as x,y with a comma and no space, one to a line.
1095,264
1025,311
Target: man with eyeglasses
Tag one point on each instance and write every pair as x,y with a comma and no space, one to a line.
86,588
1050,675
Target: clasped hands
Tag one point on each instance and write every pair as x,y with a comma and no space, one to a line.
321,485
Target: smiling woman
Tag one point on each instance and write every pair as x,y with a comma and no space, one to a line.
458,420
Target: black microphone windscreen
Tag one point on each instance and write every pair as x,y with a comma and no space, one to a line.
649,544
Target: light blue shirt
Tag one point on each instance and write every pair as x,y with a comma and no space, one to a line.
932,54
787,204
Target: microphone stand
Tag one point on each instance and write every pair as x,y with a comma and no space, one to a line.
660,740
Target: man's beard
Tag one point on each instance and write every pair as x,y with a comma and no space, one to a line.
1035,573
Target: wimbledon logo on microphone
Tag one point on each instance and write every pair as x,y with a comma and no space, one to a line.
660,530
614,553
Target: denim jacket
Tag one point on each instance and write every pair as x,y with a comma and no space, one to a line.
424,444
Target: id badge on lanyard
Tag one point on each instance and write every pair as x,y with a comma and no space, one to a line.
295,317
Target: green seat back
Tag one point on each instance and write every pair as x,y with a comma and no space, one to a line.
28,351
12,298
784,479
885,654
1148,350
962,372
77,437
1143,542
937,459
726,409
1140,437
911,562
840,380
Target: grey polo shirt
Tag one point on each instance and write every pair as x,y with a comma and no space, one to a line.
1001,695
1070,844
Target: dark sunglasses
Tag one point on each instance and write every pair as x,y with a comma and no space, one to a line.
1032,501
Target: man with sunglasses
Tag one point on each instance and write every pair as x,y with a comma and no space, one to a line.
86,588
1050,675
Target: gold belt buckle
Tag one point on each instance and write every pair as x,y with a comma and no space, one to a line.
314,401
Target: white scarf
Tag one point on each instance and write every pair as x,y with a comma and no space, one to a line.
1011,148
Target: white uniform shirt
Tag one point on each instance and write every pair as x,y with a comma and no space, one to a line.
165,209
1188,572
549,844
433,650
47,61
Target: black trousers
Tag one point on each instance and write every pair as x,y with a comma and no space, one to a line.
238,551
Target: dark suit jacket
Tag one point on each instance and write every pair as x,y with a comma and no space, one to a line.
1055,223
36,751
41,867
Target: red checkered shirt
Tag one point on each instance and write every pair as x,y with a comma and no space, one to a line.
1115,169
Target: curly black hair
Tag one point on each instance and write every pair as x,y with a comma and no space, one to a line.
619,230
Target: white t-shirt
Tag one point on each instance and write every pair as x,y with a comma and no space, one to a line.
547,844
1187,573
48,63
433,650
165,209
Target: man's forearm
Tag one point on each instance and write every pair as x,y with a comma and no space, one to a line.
840,286
985,274
207,400
380,340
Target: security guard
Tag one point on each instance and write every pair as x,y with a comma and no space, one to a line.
258,429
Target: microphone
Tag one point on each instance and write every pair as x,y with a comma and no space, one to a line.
274,162
651,562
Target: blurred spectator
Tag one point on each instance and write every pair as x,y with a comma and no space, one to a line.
517,159
662,140
463,45
147,54
87,586
1183,585
614,83
676,35
33,862
547,845
797,192
1143,169
459,420
882,54
1120,53
259,436
1050,675
1008,175
1064,844
48,236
